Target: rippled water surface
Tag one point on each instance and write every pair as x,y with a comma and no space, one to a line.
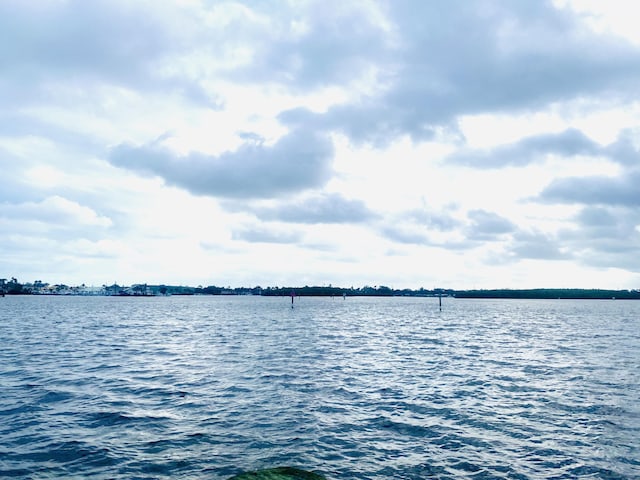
362,388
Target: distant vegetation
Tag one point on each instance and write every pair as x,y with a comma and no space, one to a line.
38,287
569,293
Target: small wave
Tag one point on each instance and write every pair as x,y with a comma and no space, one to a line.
55,397
67,454
109,418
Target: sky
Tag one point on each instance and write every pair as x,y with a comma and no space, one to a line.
440,144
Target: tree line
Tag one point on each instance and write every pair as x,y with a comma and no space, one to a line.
552,293
13,287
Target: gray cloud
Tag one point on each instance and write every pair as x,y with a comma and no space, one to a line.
431,219
323,208
625,149
571,142
605,230
536,245
488,226
413,226
83,45
601,237
597,218
428,64
298,161
625,258
17,124
605,237
418,235
595,190
406,235
469,58
342,43
532,149
261,234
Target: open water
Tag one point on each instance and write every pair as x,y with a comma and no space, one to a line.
362,388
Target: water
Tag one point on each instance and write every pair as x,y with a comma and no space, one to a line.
362,388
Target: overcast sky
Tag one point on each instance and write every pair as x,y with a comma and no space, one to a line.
406,143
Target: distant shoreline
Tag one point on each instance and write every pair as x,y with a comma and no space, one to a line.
551,294
145,290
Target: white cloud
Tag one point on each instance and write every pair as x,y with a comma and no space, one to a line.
56,212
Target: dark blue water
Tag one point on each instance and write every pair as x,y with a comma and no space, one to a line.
362,388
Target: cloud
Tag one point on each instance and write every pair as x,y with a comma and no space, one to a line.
48,45
610,229
424,227
261,234
601,237
12,185
323,208
625,149
405,234
605,236
56,211
595,190
36,233
418,227
105,248
532,149
597,218
309,46
488,226
298,161
536,148
416,66
536,245
473,58
428,218
433,220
